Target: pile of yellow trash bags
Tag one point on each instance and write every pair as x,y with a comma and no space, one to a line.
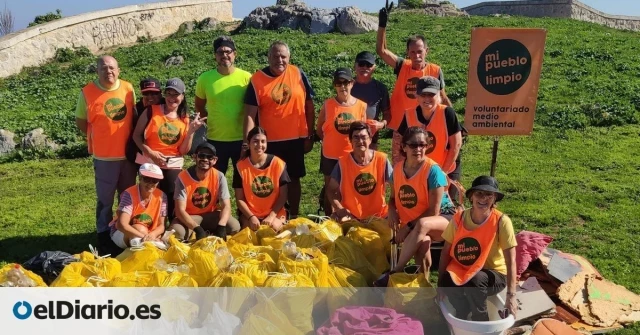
307,270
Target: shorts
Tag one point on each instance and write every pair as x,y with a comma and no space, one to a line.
327,165
449,217
292,153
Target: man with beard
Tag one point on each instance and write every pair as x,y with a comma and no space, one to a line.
219,97
201,196
105,113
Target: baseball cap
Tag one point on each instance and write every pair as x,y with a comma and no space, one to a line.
206,145
428,85
151,171
343,73
176,84
150,85
366,56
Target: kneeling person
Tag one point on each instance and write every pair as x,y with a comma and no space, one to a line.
202,199
142,209
357,186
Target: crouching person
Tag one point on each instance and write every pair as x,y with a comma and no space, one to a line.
202,199
357,186
142,209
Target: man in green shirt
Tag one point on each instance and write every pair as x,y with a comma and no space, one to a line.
220,97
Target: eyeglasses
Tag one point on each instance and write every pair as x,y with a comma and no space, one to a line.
483,194
146,94
149,180
416,145
225,52
364,64
341,83
206,156
360,138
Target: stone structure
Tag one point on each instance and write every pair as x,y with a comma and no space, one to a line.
555,8
348,20
103,29
438,8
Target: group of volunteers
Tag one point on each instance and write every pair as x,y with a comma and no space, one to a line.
265,124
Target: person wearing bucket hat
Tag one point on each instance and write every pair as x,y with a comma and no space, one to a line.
164,136
479,256
336,115
142,209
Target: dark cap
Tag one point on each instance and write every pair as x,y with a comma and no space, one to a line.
366,56
176,84
150,85
485,183
428,85
206,145
343,73
223,41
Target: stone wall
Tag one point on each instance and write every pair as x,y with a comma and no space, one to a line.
103,29
555,8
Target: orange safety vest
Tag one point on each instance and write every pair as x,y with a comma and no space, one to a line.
261,187
281,104
437,131
411,194
202,195
147,216
403,96
470,248
165,135
110,118
363,187
335,142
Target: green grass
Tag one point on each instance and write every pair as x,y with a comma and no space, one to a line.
575,178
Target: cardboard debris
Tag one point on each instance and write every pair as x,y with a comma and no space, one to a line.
563,266
532,299
581,326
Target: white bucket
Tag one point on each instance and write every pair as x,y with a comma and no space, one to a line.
464,327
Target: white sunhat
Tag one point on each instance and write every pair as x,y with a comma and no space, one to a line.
151,171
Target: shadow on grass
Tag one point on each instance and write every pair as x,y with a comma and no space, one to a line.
20,249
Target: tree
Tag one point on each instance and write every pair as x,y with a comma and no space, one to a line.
6,21
46,18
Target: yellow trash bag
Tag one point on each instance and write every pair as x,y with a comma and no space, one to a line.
351,291
241,250
201,259
275,242
327,231
294,299
105,268
142,259
371,244
256,266
310,262
292,224
132,279
177,252
71,276
304,240
85,256
8,273
266,319
348,254
245,236
235,293
265,231
347,277
379,225
229,279
171,279
412,294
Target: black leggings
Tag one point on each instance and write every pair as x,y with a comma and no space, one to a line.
472,296
167,185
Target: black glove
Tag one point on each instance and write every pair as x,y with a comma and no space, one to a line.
200,233
221,232
383,15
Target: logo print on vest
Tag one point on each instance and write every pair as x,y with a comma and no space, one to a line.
408,196
410,87
262,186
143,219
115,109
281,94
201,197
169,134
431,139
365,183
342,122
467,251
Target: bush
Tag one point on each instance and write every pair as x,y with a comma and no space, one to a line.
46,18
64,55
413,4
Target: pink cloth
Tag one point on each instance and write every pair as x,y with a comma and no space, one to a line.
530,246
370,320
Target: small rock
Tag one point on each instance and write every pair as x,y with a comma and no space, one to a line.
187,27
7,143
353,21
91,68
36,139
209,23
322,22
342,56
174,61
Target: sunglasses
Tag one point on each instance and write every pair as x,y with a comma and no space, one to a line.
224,52
341,83
146,94
206,156
364,64
416,145
149,180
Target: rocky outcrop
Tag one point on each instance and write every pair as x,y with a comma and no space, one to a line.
7,143
348,20
36,139
438,8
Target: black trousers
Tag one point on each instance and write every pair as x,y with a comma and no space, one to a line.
472,296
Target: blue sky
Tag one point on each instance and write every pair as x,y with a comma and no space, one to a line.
25,10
